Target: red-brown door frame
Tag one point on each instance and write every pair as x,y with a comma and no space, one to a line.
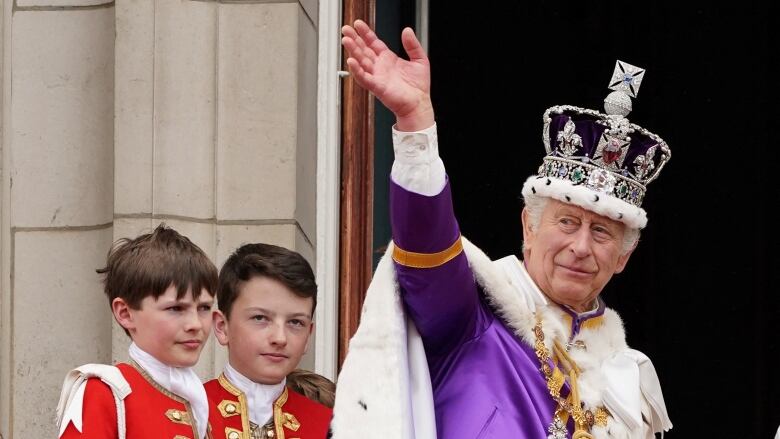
357,189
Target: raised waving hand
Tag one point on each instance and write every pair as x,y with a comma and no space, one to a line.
402,86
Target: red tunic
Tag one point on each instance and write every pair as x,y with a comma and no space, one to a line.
295,416
150,410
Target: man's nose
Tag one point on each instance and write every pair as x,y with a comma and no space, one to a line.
278,335
581,246
193,321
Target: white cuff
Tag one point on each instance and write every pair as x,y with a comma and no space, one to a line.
417,166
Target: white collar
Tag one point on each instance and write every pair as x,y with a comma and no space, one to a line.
181,381
260,397
517,276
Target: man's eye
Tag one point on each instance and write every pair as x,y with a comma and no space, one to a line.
175,308
568,223
259,318
297,323
205,308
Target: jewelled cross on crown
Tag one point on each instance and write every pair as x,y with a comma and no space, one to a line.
613,145
626,80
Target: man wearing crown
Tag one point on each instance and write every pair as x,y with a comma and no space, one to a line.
454,345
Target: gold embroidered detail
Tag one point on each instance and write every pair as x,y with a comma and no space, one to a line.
601,417
279,417
178,436
264,432
427,260
178,417
229,408
290,422
593,323
555,377
242,405
555,381
169,394
227,385
232,433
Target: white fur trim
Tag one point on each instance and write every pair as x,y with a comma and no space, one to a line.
607,205
374,388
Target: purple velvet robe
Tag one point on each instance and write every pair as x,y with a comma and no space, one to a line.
486,381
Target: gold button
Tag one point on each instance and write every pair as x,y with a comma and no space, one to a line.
230,408
176,416
233,435
270,433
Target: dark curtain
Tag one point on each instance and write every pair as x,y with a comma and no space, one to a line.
700,294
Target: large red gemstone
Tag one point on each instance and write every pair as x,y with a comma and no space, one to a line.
610,153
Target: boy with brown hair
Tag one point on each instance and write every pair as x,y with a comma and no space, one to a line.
266,298
160,287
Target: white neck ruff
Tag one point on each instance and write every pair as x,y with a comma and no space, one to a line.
260,397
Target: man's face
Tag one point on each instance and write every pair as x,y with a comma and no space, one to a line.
171,330
268,330
573,253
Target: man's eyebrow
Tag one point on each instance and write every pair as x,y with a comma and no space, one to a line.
300,314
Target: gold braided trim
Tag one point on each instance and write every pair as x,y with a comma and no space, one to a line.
427,260
279,418
169,394
228,408
242,403
178,417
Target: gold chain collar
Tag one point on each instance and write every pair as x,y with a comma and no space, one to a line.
584,420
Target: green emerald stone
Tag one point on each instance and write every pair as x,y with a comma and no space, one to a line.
577,175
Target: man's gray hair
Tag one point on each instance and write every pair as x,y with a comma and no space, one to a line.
535,204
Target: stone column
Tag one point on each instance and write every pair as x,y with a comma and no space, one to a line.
266,128
165,126
216,127
57,202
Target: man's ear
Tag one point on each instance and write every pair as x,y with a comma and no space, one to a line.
220,327
528,232
123,314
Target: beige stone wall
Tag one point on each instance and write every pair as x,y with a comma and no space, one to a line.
120,115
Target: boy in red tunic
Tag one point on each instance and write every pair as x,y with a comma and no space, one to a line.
161,289
266,298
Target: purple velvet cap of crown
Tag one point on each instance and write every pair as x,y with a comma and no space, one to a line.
591,131
600,162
